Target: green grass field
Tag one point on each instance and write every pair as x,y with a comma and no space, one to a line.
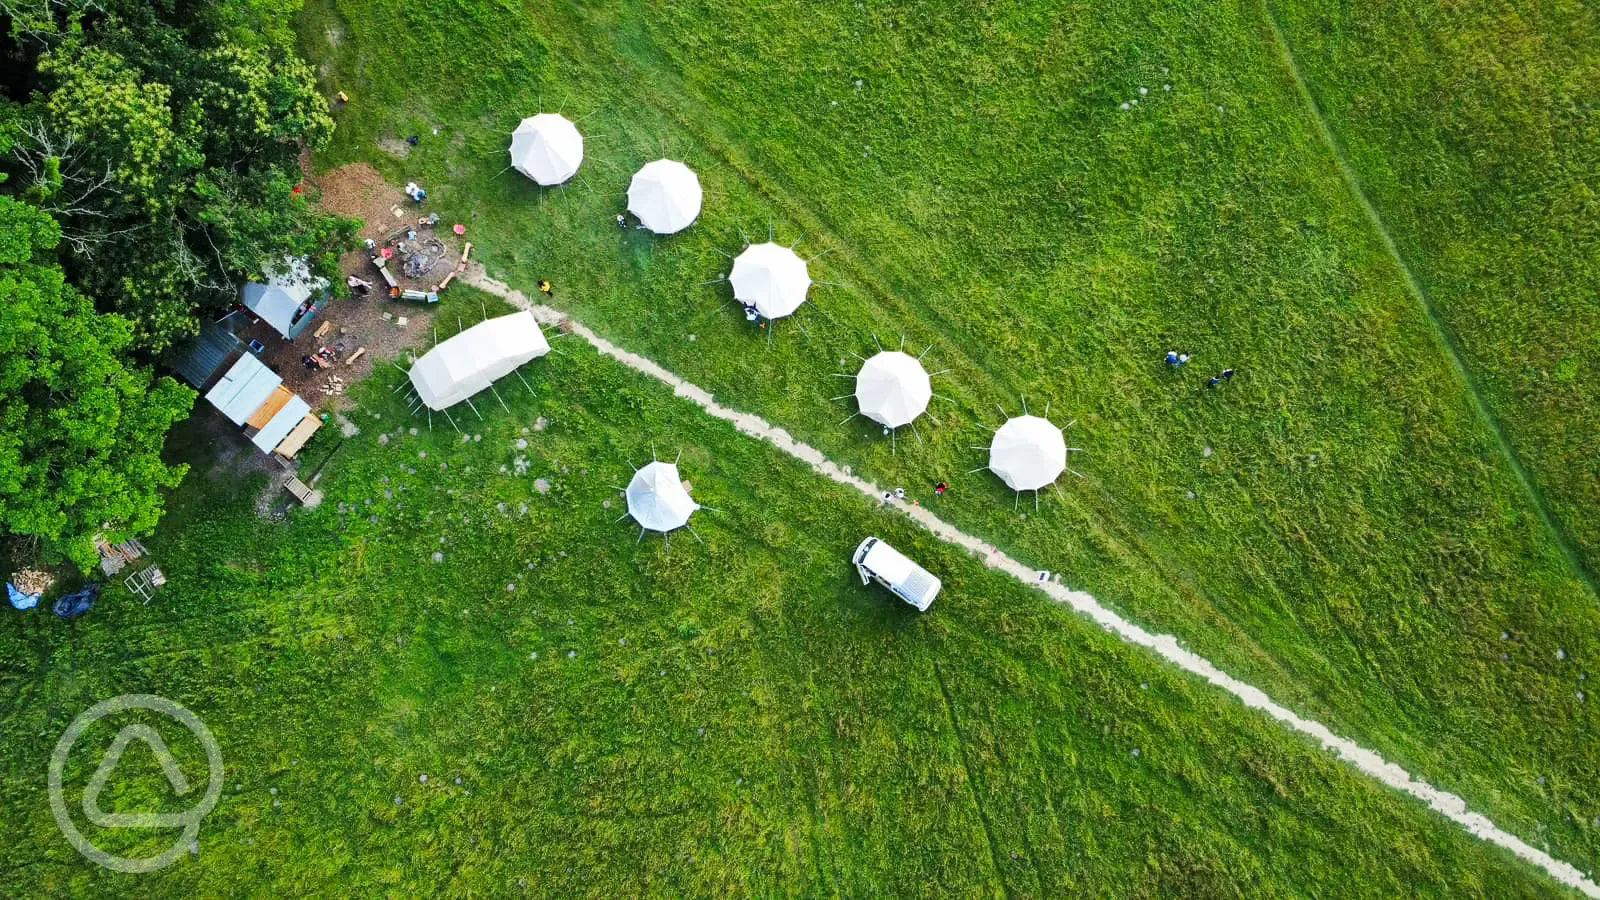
1470,128
1341,525
1357,543
632,718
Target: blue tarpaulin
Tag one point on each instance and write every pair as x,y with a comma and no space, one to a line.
19,599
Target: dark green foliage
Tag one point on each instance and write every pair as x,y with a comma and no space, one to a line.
81,430
166,141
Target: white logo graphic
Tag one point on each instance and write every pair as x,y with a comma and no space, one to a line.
188,821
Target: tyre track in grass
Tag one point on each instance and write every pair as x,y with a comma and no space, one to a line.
1449,345
1166,646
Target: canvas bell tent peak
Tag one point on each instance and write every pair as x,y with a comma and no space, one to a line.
461,366
892,389
547,148
665,195
657,499
1028,453
772,278
288,299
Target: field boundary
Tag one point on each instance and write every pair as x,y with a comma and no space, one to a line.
1443,336
1167,646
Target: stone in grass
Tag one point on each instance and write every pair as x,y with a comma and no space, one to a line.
605,504
1135,752
438,557
541,424
542,485
1207,452
511,587
458,781
383,439
397,800
273,791
423,778
1561,654
413,430
572,654
522,443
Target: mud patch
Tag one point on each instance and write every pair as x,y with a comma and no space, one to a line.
394,146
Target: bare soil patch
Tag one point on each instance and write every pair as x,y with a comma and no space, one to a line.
370,321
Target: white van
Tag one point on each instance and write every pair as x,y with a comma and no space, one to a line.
876,561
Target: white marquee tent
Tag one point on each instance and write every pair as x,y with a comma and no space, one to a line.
465,364
547,148
657,499
772,278
665,195
892,388
1028,453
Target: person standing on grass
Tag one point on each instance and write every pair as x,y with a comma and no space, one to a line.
899,493
546,288
622,221
939,487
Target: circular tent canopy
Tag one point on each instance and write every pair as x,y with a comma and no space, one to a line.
1027,453
772,278
665,195
892,388
547,148
657,499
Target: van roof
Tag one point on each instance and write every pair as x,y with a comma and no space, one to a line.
888,563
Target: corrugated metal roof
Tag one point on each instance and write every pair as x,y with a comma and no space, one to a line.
206,354
282,423
242,391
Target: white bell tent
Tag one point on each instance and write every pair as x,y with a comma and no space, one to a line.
463,365
1028,453
665,195
547,148
657,499
772,278
892,389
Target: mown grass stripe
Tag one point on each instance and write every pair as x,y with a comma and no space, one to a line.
1449,344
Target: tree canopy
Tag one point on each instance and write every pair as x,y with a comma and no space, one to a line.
149,164
165,139
81,431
